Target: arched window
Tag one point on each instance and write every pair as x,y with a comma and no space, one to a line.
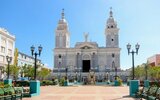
59,56
111,26
59,64
113,55
112,39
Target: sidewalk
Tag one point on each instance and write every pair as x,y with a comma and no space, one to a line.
83,93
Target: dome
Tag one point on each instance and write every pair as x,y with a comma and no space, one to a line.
110,20
62,23
62,20
111,23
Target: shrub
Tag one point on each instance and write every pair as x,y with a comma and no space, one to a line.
22,83
55,80
7,85
61,82
46,82
6,92
156,83
1,84
119,81
42,83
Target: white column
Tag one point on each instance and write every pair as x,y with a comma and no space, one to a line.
6,51
13,49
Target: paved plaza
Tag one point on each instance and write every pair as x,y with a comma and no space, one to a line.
83,93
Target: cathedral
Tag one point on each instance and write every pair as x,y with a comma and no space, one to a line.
86,56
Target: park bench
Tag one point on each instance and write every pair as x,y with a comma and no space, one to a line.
15,93
26,92
10,93
142,91
156,96
150,92
18,92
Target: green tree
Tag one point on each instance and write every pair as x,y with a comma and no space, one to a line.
29,72
43,73
153,73
139,72
13,70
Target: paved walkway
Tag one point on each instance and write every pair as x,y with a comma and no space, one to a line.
83,93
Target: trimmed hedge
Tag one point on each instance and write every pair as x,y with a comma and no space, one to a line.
155,83
46,82
22,83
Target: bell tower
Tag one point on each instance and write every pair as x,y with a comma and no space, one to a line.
62,35
111,32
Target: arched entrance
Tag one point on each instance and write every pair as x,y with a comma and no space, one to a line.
86,63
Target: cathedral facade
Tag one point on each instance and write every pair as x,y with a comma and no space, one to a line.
86,56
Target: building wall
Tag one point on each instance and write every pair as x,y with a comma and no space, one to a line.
158,60
7,47
154,60
24,59
68,58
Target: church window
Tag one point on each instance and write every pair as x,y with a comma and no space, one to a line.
59,56
112,26
59,64
113,55
112,39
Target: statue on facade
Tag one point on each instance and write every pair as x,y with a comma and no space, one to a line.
86,36
91,78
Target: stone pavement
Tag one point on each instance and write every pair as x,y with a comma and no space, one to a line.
83,93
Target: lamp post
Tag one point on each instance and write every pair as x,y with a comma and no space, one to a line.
35,54
133,52
107,76
9,59
99,76
66,73
79,74
111,77
79,77
76,76
146,72
59,71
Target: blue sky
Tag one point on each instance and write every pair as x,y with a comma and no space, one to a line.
33,22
